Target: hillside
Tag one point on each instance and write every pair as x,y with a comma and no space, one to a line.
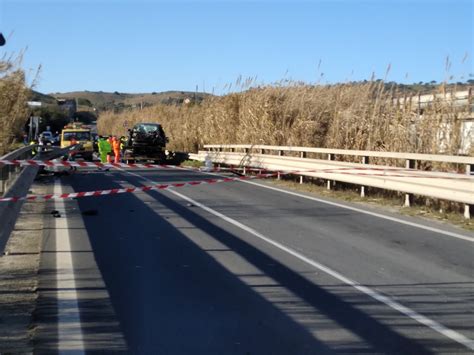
112,100
45,99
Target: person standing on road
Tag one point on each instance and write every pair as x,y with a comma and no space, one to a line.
110,152
104,149
109,149
116,148
34,151
40,143
123,143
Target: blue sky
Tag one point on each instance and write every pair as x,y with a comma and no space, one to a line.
144,46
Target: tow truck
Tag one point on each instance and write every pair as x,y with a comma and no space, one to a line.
80,134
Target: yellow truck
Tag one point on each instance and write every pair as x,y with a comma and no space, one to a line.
77,133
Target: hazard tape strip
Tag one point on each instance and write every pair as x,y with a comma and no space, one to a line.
80,164
128,190
205,181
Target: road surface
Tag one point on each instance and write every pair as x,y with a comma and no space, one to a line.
246,268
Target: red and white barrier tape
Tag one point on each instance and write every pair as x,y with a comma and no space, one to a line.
128,190
209,181
80,164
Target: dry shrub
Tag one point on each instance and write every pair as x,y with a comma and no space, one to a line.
364,116
13,102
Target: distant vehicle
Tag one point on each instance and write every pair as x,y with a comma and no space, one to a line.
48,138
146,141
81,134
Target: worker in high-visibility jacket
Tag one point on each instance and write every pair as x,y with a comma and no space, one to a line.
34,151
116,149
110,154
123,144
104,149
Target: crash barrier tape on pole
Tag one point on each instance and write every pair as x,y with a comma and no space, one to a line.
192,183
81,164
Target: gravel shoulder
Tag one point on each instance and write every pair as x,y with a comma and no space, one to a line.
19,278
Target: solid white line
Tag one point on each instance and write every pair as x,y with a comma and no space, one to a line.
70,337
368,291
437,327
375,214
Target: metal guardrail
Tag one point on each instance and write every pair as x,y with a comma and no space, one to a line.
363,153
439,185
8,173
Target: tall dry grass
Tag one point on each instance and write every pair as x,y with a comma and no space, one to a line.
14,93
364,116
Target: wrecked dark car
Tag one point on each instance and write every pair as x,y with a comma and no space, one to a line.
146,141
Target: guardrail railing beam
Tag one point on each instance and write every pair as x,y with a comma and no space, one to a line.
444,188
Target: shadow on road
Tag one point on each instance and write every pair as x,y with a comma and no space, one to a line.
171,296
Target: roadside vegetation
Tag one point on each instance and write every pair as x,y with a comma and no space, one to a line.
370,115
14,94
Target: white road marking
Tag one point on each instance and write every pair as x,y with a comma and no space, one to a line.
70,337
437,327
360,210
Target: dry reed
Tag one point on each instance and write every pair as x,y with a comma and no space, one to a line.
13,101
364,116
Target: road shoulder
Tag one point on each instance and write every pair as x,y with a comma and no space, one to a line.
19,278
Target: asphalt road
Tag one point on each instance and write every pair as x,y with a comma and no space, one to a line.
238,268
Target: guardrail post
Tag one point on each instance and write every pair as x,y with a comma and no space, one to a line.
246,150
329,183
302,155
409,164
365,160
262,151
232,150
3,179
467,208
281,153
